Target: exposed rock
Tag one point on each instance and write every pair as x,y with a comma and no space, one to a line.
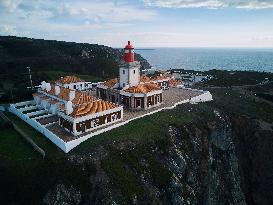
63,195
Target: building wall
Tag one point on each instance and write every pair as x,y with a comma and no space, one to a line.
139,103
154,100
97,122
66,124
129,76
102,93
134,76
75,86
164,85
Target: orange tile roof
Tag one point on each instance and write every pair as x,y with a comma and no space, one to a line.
91,108
173,82
110,83
145,79
69,79
82,97
64,93
143,88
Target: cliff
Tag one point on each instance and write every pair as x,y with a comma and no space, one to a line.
219,152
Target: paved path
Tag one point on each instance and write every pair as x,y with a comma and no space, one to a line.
239,86
170,97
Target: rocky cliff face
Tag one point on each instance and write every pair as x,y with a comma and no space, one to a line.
195,163
254,148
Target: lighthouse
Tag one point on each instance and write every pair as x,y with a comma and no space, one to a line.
129,69
129,55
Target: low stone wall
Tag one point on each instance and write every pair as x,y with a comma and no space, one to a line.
206,96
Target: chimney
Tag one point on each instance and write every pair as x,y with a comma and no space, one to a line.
71,94
48,87
43,85
68,108
57,90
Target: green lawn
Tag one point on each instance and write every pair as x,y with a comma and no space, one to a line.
149,127
14,147
51,150
153,126
231,101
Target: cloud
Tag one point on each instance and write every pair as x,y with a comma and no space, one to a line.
101,12
7,30
263,38
78,20
212,4
9,5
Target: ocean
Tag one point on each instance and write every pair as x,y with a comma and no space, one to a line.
203,59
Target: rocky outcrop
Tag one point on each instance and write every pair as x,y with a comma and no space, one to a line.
254,148
62,195
195,163
204,164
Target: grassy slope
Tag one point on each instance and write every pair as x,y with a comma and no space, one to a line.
54,168
142,129
14,147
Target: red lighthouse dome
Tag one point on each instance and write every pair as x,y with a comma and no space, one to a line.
129,55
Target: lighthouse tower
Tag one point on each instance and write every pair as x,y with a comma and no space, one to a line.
129,69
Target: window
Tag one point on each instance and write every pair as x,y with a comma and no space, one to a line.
123,84
158,99
114,117
123,71
75,87
96,123
134,71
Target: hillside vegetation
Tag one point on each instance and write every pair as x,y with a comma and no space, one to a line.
49,59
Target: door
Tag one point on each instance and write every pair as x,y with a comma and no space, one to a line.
138,103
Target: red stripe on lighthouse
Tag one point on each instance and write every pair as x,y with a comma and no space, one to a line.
129,55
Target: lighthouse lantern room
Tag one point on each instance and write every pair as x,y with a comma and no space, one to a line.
129,70
129,53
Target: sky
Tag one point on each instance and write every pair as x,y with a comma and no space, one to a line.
147,23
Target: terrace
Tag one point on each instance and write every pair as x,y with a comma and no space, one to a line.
47,123
170,98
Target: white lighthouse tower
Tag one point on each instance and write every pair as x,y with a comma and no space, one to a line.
129,70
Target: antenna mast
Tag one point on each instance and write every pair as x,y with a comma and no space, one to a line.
29,72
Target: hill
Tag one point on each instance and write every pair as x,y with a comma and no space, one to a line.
49,58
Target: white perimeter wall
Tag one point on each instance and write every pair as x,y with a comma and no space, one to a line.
67,146
42,129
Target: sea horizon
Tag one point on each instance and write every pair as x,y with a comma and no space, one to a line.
203,59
